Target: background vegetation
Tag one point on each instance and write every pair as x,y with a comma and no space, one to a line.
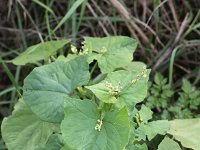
168,33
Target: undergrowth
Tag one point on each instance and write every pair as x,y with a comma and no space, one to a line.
169,103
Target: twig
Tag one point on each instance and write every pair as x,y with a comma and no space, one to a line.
144,5
155,11
171,48
124,12
170,2
100,23
182,68
17,30
103,14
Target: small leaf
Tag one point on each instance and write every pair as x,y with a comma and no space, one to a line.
140,133
23,130
41,51
186,87
79,127
168,144
46,86
158,78
186,131
156,127
111,52
145,113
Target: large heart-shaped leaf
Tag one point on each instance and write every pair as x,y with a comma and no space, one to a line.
122,87
46,86
39,52
186,131
23,130
111,52
85,128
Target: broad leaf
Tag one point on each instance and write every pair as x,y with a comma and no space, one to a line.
66,59
135,66
23,130
118,87
168,144
137,147
156,127
66,147
111,52
80,131
46,86
38,52
186,131
55,142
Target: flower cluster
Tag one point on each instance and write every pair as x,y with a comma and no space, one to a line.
103,50
139,76
113,90
98,125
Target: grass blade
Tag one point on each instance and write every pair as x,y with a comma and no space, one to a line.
81,14
11,77
68,14
45,7
172,64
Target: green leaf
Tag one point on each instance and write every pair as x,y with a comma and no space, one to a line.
46,86
118,88
158,78
186,131
111,52
66,59
137,147
140,133
136,66
168,144
66,147
41,51
55,142
145,114
80,122
186,87
156,127
23,130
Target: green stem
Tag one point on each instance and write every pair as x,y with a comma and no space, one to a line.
101,105
98,79
93,68
137,120
171,65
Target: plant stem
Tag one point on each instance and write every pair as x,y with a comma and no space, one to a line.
93,68
12,79
98,79
137,120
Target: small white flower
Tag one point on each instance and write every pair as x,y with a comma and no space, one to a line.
74,49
